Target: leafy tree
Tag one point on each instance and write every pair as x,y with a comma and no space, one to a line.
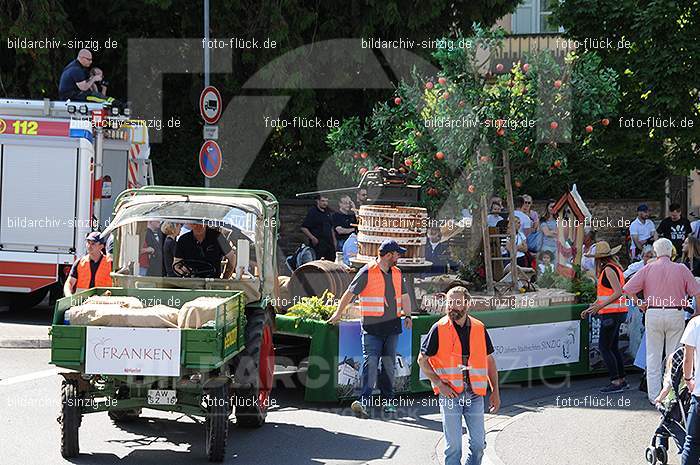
656,51
543,115
290,158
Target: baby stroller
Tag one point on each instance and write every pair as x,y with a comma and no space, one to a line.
673,416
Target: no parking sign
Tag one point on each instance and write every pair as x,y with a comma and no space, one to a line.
210,159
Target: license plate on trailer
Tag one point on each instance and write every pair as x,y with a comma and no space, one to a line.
162,397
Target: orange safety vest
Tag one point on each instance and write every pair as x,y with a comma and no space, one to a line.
102,277
604,293
372,298
447,362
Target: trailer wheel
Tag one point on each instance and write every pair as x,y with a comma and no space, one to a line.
254,370
70,418
124,416
216,424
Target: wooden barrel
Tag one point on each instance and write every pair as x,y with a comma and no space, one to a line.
314,278
406,225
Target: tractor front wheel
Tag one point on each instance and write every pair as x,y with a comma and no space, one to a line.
70,418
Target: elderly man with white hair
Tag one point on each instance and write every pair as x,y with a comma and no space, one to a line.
667,287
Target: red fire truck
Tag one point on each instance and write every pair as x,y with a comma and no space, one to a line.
61,166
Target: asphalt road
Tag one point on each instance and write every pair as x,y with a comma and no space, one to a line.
534,428
296,432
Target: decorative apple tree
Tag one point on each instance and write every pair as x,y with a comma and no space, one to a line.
448,131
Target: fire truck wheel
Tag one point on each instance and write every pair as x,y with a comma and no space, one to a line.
216,423
20,302
70,418
254,369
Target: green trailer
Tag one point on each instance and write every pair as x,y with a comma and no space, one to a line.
222,368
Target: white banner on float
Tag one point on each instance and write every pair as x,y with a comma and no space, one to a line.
540,345
132,351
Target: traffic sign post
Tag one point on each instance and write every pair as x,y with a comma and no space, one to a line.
210,132
210,109
210,105
210,159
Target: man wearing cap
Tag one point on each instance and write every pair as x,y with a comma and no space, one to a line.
642,231
667,286
92,270
383,300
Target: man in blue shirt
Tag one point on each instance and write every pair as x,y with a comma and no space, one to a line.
76,82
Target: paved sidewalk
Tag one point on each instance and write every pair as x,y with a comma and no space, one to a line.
602,429
26,329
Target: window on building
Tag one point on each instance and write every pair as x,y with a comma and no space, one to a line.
534,17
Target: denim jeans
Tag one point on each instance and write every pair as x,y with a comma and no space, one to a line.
691,449
609,343
471,407
375,348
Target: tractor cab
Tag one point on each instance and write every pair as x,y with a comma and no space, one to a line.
243,223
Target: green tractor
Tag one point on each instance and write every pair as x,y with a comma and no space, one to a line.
222,367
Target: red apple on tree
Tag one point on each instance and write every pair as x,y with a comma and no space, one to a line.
442,81
408,162
553,125
499,67
484,159
397,100
526,150
526,68
605,121
437,173
557,84
557,163
363,170
501,132
471,188
446,95
461,104
429,85
363,155
440,156
589,129
355,156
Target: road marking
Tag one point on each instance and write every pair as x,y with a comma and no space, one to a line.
29,377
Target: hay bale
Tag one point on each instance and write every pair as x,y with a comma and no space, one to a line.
197,312
159,316
122,301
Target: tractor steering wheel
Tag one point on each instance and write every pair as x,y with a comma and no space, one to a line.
193,268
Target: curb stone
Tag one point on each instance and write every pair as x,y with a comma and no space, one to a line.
25,343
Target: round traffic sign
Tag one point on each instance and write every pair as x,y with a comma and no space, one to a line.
210,159
210,104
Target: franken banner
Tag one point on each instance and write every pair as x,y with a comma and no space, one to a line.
125,351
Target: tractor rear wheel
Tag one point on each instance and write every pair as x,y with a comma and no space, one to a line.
254,369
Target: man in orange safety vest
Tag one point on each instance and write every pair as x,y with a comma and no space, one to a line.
456,356
383,301
92,270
